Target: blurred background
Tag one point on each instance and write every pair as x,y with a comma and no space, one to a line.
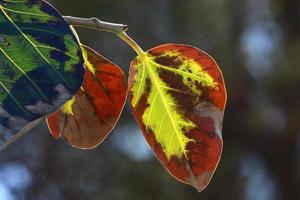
257,45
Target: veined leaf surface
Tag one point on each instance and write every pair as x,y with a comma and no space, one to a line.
41,63
177,96
88,118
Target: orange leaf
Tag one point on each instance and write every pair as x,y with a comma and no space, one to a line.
177,95
87,119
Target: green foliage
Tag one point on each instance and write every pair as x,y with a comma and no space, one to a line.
41,63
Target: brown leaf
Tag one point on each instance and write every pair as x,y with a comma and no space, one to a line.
87,119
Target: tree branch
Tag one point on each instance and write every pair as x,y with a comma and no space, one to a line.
95,23
20,134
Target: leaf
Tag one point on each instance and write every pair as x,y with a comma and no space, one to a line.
87,119
177,96
41,63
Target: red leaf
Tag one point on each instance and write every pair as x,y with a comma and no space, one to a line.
85,121
178,96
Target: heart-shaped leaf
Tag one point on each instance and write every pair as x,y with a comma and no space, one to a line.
87,119
177,96
41,63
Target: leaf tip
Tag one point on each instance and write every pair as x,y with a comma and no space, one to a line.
200,182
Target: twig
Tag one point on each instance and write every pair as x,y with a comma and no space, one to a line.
95,23
20,134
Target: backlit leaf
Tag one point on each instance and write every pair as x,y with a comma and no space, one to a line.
87,119
177,96
41,63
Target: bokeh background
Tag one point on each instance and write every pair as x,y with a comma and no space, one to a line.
257,45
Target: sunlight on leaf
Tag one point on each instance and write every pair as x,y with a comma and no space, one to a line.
177,96
88,118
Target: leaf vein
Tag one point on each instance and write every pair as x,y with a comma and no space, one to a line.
24,73
154,78
27,39
14,99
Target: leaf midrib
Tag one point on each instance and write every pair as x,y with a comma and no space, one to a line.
14,99
154,80
22,12
24,73
33,45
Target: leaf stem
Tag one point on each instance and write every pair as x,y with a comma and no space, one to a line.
131,43
118,29
95,23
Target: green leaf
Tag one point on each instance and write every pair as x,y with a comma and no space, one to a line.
41,63
178,97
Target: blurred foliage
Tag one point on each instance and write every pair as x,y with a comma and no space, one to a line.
257,45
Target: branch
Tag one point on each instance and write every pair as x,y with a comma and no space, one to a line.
95,23
20,134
